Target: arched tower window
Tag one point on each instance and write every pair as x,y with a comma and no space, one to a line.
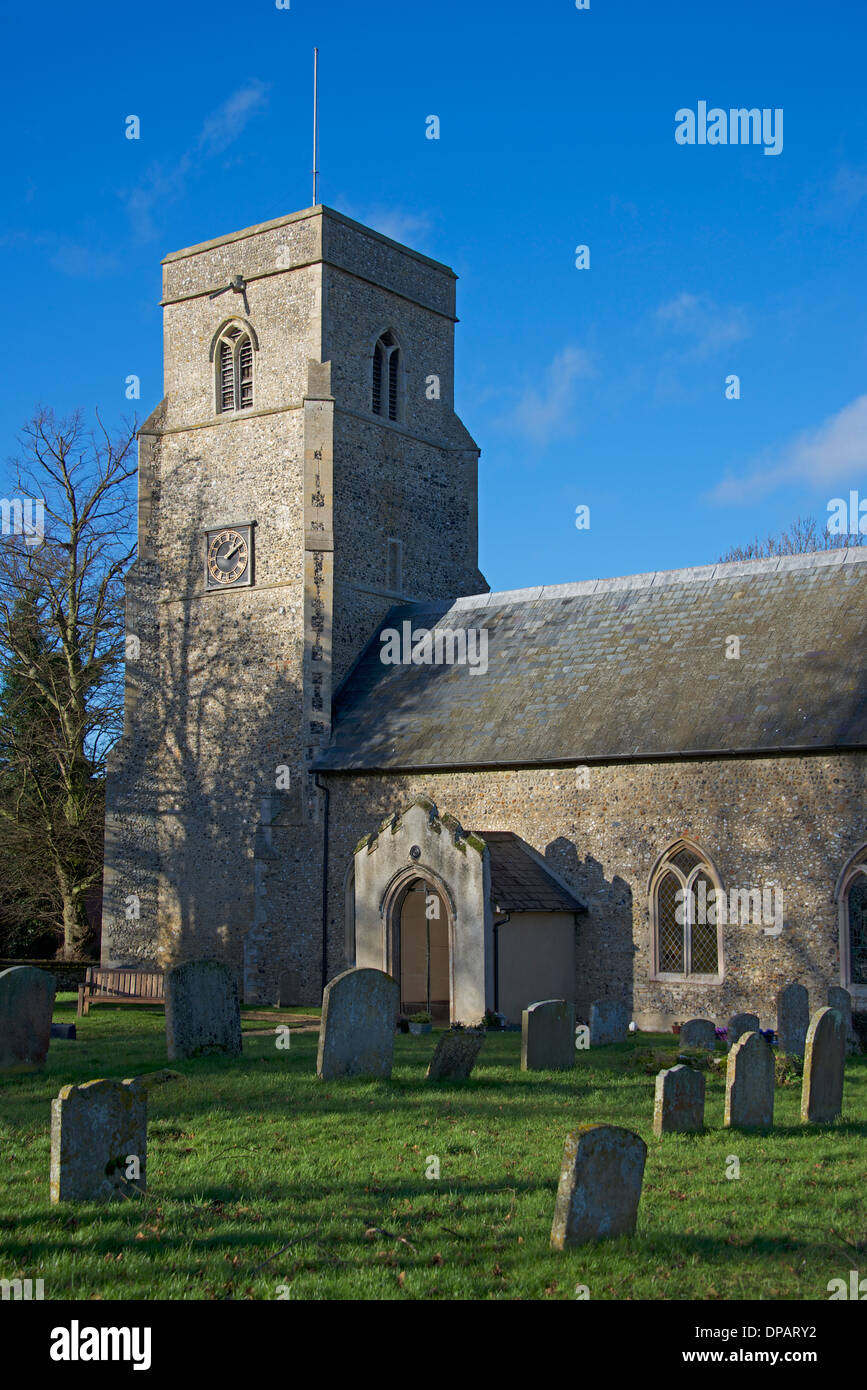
386,377
234,362
852,899
687,938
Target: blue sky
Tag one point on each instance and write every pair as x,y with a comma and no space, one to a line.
603,387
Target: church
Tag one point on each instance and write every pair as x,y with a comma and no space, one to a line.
340,748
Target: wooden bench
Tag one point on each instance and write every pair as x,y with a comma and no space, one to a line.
120,986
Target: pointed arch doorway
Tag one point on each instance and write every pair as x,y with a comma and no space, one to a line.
420,936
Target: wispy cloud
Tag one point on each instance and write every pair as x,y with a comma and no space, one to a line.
163,183
834,199
223,127
835,452
706,326
409,228
547,411
84,259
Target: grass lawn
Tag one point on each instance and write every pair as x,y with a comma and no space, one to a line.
264,1182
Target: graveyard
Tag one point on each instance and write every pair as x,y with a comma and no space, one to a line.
268,1181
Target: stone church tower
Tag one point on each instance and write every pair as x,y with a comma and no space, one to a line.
304,471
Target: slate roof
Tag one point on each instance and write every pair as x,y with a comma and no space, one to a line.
628,668
519,882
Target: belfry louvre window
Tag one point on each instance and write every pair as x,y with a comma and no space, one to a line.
234,371
386,377
685,932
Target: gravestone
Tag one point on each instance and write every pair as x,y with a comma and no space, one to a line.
750,1084
793,1017
356,1038
698,1032
679,1103
287,989
738,1025
26,1005
841,1000
548,1036
202,1011
600,1185
455,1055
859,1028
824,1063
98,1141
63,1030
609,1022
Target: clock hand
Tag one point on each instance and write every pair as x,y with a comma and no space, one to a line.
232,551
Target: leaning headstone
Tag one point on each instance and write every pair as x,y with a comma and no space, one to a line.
841,1000
548,1036
750,1084
600,1185
698,1032
26,1005
356,1038
455,1055
824,1063
202,1010
793,1017
738,1025
98,1141
609,1022
679,1103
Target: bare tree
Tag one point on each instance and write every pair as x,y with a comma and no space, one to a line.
801,537
61,652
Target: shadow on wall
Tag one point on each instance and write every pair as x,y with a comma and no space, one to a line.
182,763
604,950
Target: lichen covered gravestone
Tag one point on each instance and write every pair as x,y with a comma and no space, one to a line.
698,1032
750,1084
359,1009
202,1010
679,1102
26,1006
600,1185
793,1017
455,1055
824,1064
609,1022
548,1036
738,1026
98,1141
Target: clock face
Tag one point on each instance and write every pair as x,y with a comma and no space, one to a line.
228,558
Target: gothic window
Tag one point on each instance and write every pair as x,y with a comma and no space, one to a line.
386,377
852,898
686,935
234,360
